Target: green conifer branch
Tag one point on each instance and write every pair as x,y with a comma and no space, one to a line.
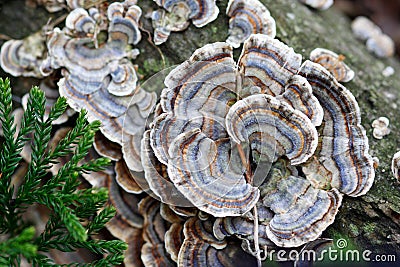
75,216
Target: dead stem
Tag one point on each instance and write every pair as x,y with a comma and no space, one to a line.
149,39
249,179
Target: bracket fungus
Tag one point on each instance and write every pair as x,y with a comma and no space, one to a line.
318,4
201,248
332,62
247,17
24,57
102,79
301,211
176,15
343,150
396,165
381,127
219,121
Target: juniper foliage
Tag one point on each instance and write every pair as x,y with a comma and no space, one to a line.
74,217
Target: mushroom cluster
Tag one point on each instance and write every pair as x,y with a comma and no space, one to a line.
247,17
175,16
268,133
101,77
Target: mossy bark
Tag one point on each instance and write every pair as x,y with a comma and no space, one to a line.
371,221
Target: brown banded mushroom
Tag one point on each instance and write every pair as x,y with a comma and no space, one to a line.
157,177
131,235
247,17
318,4
268,64
174,240
267,123
79,20
177,14
302,212
24,57
298,94
106,148
396,165
210,174
126,180
332,62
154,229
243,228
201,248
343,151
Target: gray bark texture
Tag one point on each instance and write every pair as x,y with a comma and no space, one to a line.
368,222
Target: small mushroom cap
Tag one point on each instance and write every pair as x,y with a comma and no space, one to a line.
200,12
210,174
124,23
198,238
89,68
267,63
169,215
154,229
201,248
302,212
106,148
271,124
381,127
126,180
246,18
213,62
164,23
174,240
332,62
363,28
298,94
189,103
243,228
178,14
80,21
318,4
24,57
396,165
126,204
381,45
344,144
157,177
